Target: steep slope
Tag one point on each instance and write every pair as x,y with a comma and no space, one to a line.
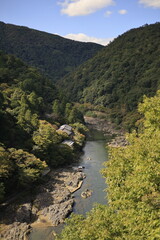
53,55
121,73
30,114
25,95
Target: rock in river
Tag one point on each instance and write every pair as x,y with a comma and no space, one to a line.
87,193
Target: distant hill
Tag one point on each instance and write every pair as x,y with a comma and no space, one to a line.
121,73
55,56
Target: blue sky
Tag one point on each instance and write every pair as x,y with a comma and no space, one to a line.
84,20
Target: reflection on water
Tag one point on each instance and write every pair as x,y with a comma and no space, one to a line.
43,233
94,155
92,159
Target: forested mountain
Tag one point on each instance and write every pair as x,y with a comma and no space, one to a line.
32,109
30,115
120,74
53,55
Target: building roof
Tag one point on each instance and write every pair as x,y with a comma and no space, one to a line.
66,128
68,142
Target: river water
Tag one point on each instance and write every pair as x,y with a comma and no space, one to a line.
93,157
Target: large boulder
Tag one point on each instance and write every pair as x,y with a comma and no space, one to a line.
58,212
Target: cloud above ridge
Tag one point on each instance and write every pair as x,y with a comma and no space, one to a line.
83,7
150,3
84,38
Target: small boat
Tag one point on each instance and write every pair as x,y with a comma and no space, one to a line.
80,168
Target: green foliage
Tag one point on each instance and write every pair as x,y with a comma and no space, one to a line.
45,135
18,169
75,116
151,110
24,93
132,176
2,191
53,55
6,166
56,107
65,155
25,98
91,114
120,74
27,166
48,145
1,99
46,140
79,127
66,112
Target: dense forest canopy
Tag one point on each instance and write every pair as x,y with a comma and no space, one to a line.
133,178
53,55
120,74
116,76
30,114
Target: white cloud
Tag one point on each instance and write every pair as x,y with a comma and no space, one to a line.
108,13
151,3
84,38
122,11
83,7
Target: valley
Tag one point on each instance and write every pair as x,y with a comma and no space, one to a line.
65,104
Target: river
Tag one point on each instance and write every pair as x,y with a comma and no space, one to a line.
93,157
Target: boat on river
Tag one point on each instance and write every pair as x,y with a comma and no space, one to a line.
80,168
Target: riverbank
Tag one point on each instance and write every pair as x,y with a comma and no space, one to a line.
117,136
51,203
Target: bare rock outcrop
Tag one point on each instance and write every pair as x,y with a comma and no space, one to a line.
53,202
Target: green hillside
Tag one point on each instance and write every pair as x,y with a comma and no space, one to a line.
30,114
121,73
53,55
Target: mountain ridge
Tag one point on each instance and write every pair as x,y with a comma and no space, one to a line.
52,54
120,74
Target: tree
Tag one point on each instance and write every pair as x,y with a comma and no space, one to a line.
1,99
75,116
46,135
67,110
132,176
6,171
56,107
6,166
2,191
46,141
28,167
36,103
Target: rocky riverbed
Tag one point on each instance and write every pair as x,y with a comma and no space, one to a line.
52,201
51,204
